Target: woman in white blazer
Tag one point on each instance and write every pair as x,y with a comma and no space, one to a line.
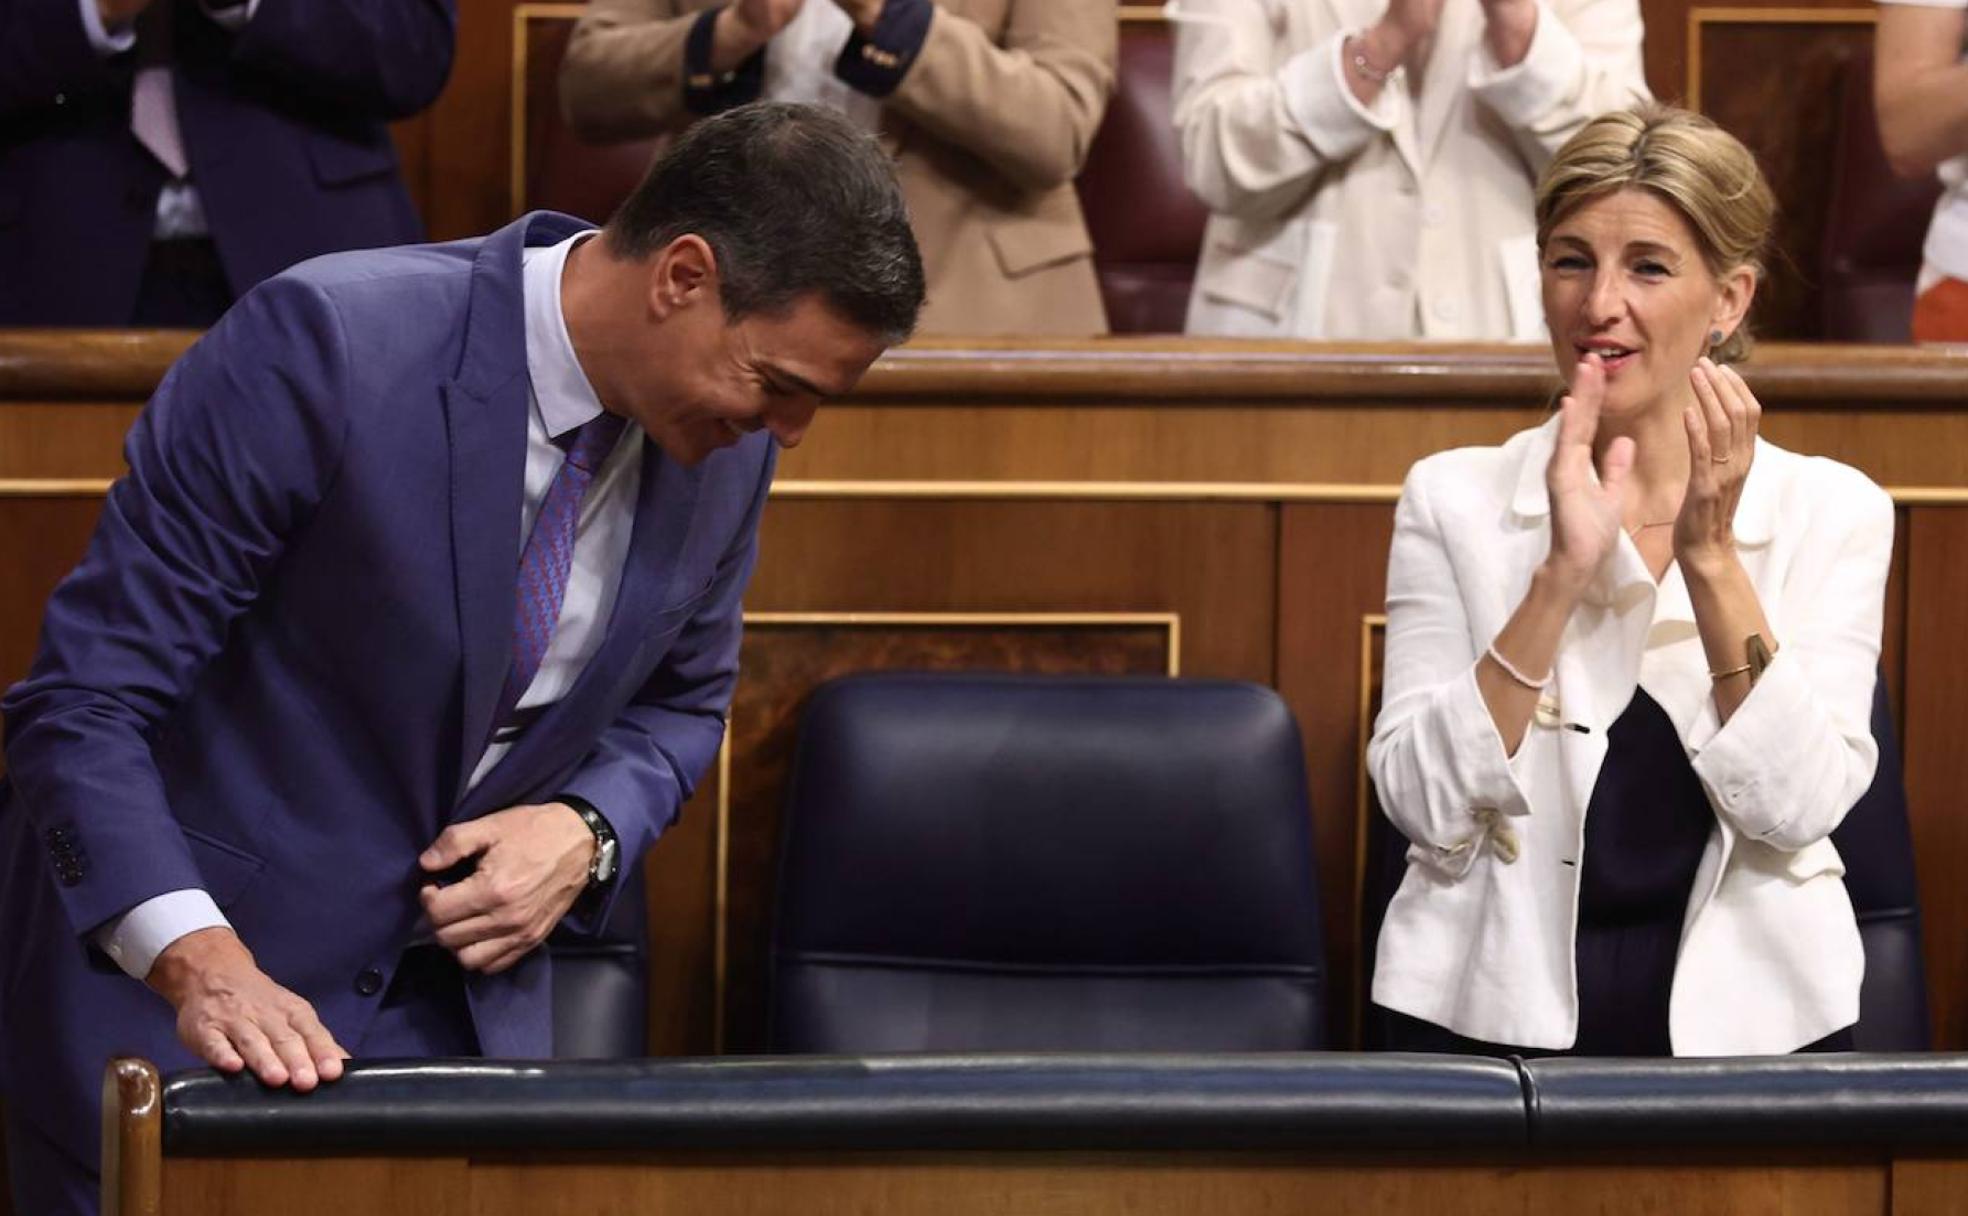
1369,163
1630,659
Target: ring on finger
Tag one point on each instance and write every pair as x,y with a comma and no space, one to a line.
1724,459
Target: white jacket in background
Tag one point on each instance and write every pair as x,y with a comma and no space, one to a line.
1411,219
1480,936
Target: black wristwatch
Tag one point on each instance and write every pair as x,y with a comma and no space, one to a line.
608,851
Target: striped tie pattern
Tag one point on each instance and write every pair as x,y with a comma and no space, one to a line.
549,552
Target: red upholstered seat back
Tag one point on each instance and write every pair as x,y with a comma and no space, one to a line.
1874,226
559,171
1146,225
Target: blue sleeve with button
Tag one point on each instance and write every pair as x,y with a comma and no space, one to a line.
708,92
877,62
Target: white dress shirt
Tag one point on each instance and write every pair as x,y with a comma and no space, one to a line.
561,400
1480,936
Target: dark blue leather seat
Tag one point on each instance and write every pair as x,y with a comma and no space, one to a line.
601,983
1005,863
1877,846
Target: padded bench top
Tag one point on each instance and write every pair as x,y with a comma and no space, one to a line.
1002,1102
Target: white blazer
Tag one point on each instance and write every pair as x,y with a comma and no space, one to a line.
1410,218
1480,936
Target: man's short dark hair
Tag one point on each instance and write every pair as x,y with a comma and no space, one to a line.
794,200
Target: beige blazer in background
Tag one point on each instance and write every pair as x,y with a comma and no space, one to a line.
988,129
1407,219
1480,936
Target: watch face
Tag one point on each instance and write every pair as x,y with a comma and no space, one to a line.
606,857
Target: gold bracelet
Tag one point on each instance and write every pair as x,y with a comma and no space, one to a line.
1733,671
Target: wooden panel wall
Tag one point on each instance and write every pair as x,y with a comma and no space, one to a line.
1767,71
1241,492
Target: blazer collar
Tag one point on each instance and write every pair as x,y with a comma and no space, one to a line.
1755,512
495,319
485,417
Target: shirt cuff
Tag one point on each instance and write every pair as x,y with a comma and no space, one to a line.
103,41
1323,104
232,16
709,92
875,64
1526,91
135,939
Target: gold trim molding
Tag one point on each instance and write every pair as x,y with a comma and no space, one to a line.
794,490
523,13
1699,17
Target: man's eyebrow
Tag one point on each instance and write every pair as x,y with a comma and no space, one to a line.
775,373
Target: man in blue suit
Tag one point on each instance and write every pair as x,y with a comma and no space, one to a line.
415,619
159,157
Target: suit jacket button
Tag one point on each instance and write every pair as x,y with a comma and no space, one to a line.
369,983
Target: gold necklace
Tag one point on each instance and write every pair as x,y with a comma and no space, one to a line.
1638,528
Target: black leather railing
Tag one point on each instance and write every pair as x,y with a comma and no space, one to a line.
1308,1101
871,1103
1899,1100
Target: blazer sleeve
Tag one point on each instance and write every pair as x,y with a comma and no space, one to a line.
647,763
1436,758
45,57
383,59
1584,59
623,75
1026,102
229,459
1256,134
1799,752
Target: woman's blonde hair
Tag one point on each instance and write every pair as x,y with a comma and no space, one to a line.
1696,167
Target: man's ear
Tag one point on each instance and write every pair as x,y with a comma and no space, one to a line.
683,274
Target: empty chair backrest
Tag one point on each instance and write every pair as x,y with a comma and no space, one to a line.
984,863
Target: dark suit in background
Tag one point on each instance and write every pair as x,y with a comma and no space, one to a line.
284,125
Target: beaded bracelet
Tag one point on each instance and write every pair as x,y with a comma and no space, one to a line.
1510,670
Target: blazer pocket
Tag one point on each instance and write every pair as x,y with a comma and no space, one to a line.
1283,276
338,161
227,869
1523,286
1026,245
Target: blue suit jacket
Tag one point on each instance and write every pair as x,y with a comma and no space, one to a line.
284,124
278,662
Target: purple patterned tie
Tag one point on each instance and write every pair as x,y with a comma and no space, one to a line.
550,551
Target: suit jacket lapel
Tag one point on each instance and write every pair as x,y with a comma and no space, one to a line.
666,506
485,417
488,469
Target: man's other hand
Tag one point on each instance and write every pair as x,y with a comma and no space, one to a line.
532,865
234,1016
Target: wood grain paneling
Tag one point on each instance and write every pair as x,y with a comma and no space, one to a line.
1771,78
377,1186
1930,1188
41,539
1332,570
1173,1184
1936,690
